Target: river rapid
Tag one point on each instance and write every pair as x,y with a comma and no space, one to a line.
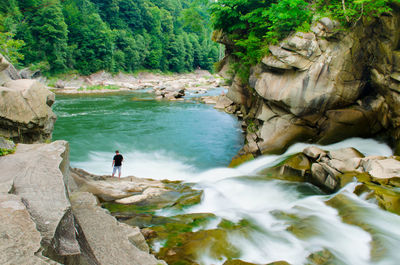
194,143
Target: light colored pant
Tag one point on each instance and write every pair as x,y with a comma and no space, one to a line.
117,168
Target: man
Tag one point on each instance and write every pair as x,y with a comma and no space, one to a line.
117,163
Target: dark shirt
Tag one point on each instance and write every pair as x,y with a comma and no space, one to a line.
118,160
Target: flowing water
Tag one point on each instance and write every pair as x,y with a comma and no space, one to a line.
194,143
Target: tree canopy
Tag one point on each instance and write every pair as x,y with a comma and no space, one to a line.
114,35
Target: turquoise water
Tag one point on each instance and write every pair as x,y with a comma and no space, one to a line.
194,143
196,136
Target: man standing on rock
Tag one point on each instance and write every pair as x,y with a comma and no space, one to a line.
117,163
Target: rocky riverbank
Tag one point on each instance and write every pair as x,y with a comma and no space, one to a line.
322,86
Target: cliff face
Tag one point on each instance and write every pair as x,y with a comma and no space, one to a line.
324,86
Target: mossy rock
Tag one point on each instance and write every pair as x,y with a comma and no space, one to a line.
323,257
188,247
296,167
388,198
6,146
237,262
353,215
349,177
240,159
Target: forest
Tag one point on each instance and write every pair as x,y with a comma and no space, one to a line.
57,36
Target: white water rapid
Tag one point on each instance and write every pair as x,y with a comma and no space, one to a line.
286,222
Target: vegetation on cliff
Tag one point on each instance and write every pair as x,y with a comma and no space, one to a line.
114,35
253,25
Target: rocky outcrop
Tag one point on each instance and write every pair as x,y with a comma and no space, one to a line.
378,176
7,71
45,219
25,111
323,86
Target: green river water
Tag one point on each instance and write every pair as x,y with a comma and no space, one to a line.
222,213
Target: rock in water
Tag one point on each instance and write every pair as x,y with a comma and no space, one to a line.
25,111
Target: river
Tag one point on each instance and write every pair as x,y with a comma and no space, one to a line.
194,143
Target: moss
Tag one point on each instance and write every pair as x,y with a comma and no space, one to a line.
323,257
387,197
240,159
189,246
349,177
296,168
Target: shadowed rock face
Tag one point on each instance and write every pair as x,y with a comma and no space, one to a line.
324,86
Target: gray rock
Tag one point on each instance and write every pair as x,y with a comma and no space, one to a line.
345,154
19,239
6,144
381,168
35,173
318,174
314,152
103,239
25,111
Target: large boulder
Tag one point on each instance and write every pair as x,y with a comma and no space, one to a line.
25,111
35,173
20,241
103,239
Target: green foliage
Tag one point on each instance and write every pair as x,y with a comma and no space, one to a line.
253,25
10,47
352,10
112,35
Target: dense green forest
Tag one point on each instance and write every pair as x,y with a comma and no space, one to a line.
58,36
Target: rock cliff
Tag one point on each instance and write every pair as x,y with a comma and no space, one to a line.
323,86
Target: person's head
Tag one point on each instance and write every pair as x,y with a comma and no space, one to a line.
117,152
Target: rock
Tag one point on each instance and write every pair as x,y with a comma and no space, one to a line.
7,71
19,239
223,102
273,140
345,154
146,195
110,189
42,189
25,111
381,169
6,144
342,166
136,237
103,239
314,152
